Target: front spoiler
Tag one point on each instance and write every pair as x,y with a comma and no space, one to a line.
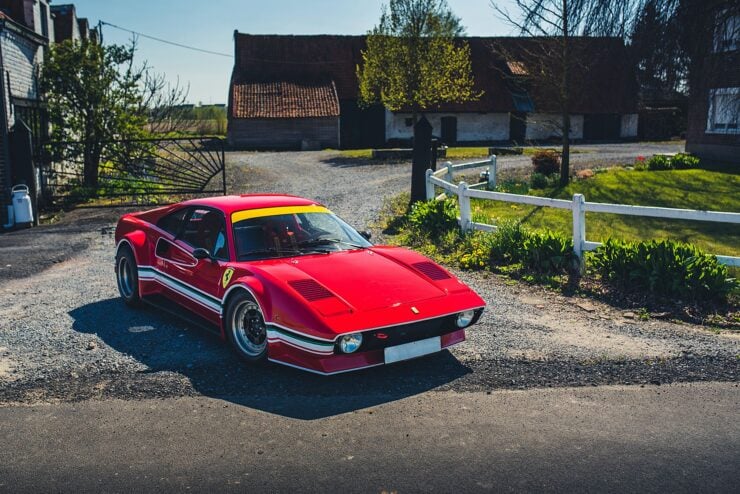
281,353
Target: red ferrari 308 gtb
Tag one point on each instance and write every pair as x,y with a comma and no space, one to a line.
283,278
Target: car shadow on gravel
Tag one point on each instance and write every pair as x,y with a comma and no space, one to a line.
170,348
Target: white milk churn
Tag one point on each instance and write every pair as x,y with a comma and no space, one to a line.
22,209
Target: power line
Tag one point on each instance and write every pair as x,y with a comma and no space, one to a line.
180,45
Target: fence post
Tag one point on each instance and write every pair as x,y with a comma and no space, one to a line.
448,175
429,185
464,201
579,229
492,173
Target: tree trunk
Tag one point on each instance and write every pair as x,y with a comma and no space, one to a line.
422,159
565,95
91,162
565,155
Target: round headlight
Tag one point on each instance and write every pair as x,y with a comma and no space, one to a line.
465,318
350,342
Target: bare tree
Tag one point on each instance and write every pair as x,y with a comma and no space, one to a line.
163,103
553,54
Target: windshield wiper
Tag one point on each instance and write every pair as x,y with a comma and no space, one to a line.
327,241
268,251
292,252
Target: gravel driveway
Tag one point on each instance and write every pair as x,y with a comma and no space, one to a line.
65,335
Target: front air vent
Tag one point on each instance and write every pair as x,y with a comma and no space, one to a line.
310,289
431,270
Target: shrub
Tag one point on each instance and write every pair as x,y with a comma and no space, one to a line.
434,218
546,162
680,161
506,242
664,269
683,161
659,162
538,181
476,249
547,252
542,252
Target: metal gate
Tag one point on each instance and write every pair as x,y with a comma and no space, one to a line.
134,172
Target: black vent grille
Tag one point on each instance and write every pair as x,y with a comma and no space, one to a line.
310,289
431,270
406,333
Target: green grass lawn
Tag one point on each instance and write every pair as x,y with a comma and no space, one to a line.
453,153
457,153
357,153
689,189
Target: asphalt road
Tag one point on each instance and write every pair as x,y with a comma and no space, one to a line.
679,438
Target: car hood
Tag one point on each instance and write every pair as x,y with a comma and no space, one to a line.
367,280
355,290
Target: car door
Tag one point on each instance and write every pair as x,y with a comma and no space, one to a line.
196,283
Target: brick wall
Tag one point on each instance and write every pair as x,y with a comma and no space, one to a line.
21,57
720,70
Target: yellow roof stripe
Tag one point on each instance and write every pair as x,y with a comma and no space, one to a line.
258,213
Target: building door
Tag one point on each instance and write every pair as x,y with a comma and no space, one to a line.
601,126
517,127
449,130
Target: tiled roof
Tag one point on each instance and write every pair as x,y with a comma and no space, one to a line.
516,68
284,99
605,84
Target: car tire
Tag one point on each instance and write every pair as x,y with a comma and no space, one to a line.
245,328
127,276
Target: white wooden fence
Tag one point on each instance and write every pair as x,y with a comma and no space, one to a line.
577,205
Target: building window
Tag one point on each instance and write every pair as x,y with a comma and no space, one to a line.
409,122
724,109
727,33
44,20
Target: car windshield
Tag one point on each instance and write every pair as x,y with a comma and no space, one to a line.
291,234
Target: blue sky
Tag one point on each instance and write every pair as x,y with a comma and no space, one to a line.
211,24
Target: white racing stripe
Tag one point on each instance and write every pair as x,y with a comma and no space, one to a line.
274,333
147,273
274,336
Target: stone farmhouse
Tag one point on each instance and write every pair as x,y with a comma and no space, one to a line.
293,91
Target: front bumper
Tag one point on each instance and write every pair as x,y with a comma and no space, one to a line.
339,362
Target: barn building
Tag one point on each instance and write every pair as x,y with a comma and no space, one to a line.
285,113
301,91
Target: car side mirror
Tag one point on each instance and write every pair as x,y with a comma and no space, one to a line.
366,234
201,253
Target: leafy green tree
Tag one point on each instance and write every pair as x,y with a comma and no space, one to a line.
93,95
413,61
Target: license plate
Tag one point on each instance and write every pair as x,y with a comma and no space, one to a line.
412,350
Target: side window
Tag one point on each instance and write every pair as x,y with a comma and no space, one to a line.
206,229
173,221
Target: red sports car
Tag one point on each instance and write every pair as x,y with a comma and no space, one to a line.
284,279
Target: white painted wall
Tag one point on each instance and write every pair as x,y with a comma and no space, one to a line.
470,126
547,125
629,125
